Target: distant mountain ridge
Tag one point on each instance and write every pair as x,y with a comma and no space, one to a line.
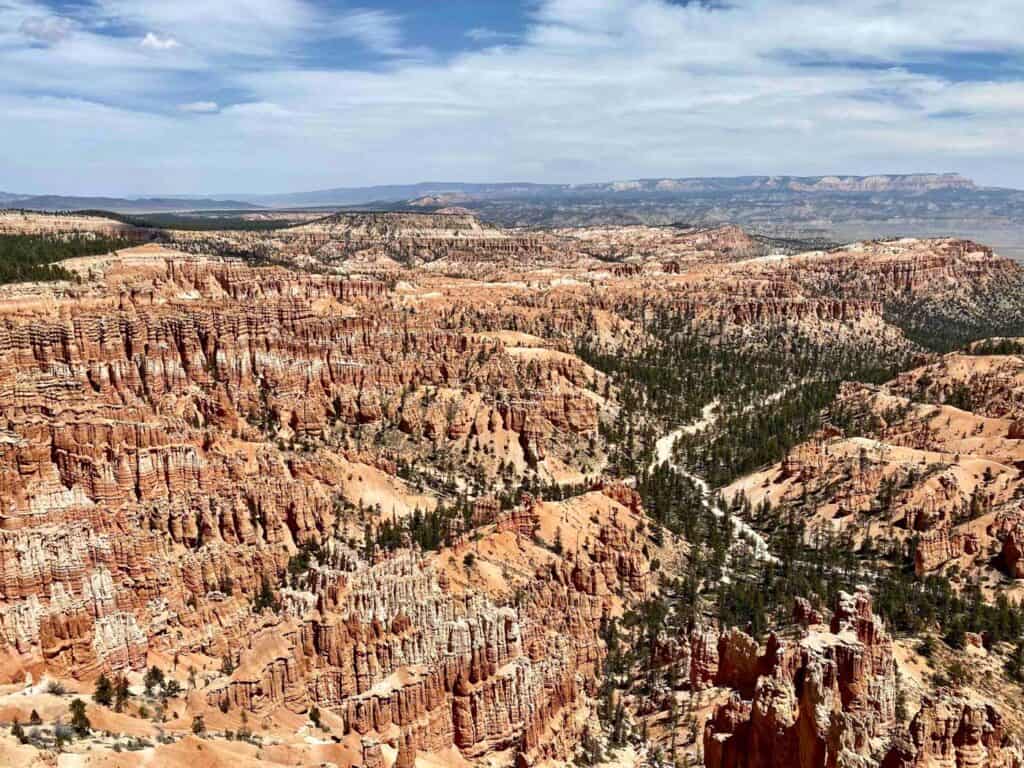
433,193
903,183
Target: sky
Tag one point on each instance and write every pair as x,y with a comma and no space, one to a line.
143,97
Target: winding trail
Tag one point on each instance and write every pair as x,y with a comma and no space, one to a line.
663,447
663,454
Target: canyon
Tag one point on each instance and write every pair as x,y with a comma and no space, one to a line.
387,489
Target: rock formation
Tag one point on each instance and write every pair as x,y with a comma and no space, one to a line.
951,731
828,699
318,462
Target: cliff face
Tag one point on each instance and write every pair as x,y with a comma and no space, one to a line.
826,699
951,731
402,657
770,311
141,446
30,223
652,249
172,432
318,477
902,268
381,239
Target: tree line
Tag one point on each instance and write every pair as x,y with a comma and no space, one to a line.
32,257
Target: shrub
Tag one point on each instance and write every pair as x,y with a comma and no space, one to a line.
927,646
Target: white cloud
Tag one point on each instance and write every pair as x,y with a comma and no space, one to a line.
86,63
226,28
154,42
200,107
592,89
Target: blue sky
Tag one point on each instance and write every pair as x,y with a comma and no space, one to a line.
134,97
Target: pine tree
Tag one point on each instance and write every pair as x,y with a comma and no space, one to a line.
104,693
618,735
154,679
265,599
121,693
79,720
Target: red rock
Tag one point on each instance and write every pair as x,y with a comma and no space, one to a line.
827,699
950,731
804,614
1013,552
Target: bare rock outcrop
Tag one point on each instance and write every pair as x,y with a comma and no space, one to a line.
828,699
1012,554
951,731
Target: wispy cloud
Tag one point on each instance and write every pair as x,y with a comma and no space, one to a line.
47,29
488,35
588,90
377,30
200,107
